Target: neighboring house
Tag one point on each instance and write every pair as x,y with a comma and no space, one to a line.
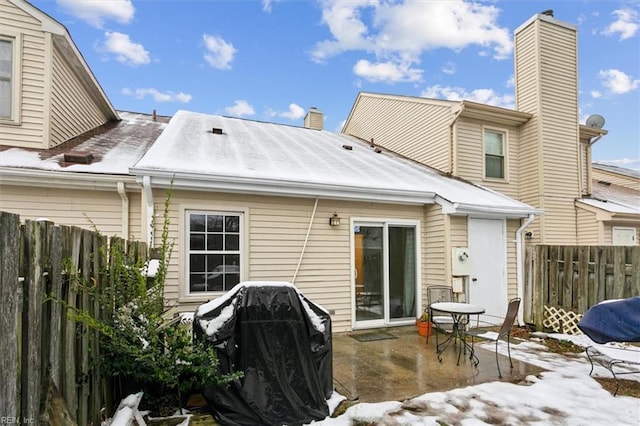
611,212
537,153
65,152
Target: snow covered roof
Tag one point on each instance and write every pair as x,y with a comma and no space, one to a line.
617,169
614,199
115,147
213,152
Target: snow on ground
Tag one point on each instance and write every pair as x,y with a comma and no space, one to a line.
565,394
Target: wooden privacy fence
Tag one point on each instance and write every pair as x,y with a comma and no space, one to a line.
41,346
562,282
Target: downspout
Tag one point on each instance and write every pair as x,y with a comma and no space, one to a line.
519,268
148,197
125,209
306,239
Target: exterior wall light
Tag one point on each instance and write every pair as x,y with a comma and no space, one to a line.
334,220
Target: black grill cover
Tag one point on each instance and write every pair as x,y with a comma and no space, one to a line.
282,343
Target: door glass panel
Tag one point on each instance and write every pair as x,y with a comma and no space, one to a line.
402,272
369,264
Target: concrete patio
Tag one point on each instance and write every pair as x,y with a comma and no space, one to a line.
406,366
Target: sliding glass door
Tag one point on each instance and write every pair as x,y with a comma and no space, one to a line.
385,273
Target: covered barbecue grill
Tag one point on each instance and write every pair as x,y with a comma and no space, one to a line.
281,341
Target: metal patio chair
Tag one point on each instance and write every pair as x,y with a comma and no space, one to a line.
442,322
505,331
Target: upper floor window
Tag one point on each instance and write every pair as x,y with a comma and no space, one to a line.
214,251
9,78
494,154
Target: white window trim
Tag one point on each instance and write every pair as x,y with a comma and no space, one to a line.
185,296
16,77
505,153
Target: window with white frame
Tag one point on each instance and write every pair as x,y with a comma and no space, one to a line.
214,257
494,154
9,78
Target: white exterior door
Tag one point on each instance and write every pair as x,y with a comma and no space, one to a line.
487,282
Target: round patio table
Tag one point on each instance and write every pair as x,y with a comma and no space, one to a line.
460,313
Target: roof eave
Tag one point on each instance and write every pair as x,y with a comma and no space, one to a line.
61,179
272,187
495,114
456,208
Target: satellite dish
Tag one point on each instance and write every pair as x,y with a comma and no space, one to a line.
596,121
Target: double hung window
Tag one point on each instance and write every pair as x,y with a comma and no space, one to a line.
494,154
214,251
10,46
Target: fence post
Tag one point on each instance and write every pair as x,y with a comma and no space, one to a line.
9,312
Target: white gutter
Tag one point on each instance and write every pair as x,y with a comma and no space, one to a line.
286,188
306,239
148,197
122,190
519,266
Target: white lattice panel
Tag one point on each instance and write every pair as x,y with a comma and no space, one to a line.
561,321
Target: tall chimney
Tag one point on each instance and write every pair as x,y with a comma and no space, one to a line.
546,77
314,119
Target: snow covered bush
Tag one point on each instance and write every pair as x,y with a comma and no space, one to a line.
139,348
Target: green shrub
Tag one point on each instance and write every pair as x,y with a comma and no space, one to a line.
139,348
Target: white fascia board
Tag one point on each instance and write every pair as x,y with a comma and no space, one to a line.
485,211
67,180
281,188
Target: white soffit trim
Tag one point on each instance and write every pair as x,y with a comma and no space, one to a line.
282,188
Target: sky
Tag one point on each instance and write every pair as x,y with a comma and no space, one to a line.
272,60
563,394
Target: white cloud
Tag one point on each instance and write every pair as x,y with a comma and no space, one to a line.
96,12
386,71
219,54
267,5
484,96
618,82
596,94
295,112
157,95
449,68
240,108
626,24
125,50
397,33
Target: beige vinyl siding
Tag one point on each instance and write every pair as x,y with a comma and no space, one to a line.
469,156
512,273
526,100
73,112
416,129
434,263
560,221
616,178
89,209
546,82
30,132
276,228
608,230
588,228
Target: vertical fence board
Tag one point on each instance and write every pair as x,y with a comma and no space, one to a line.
31,361
574,278
55,321
9,312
